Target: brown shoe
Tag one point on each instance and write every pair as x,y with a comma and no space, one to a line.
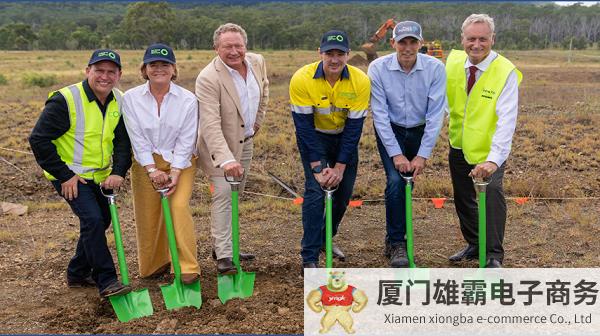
243,256
189,278
115,288
225,266
80,283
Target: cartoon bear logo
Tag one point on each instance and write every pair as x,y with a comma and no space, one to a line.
336,298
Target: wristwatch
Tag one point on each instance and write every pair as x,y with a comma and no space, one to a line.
151,170
317,169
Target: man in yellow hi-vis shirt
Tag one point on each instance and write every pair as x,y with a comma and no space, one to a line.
329,101
483,94
81,143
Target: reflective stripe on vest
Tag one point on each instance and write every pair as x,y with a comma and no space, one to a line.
87,148
473,118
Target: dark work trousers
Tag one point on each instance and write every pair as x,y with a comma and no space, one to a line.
409,140
313,207
465,200
92,256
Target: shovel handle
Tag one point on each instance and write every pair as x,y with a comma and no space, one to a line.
114,217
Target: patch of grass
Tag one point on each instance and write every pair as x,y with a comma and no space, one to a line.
40,80
3,80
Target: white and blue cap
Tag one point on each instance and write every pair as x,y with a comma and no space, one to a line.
407,29
159,52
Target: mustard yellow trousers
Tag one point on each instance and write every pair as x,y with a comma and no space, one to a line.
152,244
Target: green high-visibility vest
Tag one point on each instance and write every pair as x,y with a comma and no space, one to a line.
473,118
87,146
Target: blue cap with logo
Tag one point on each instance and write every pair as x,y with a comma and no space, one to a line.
335,39
159,52
105,55
407,29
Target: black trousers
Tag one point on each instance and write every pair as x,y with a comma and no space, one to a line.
465,200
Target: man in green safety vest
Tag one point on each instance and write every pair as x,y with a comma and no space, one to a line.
81,143
483,94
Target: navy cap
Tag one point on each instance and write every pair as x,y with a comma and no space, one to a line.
105,55
407,29
159,52
335,39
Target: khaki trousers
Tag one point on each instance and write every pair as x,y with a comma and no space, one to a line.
220,210
152,243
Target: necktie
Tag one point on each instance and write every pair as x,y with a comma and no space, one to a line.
471,81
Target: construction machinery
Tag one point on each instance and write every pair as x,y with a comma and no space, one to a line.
432,48
370,48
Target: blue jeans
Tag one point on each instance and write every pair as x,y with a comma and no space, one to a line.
409,140
313,208
92,256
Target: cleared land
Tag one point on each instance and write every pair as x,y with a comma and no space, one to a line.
556,154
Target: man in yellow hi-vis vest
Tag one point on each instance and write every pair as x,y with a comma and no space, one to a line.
81,143
483,97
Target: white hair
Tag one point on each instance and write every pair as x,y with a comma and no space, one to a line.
478,18
229,27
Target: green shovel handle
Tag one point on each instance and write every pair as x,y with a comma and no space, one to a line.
482,229
480,188
111,196
170,233
235,217
328,228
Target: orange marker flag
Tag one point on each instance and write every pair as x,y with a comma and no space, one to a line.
355,203
521,200
438,203
298,201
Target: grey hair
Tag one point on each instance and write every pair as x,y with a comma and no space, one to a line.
229,27
478,18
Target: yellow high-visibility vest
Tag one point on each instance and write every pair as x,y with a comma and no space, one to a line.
473,118
87,146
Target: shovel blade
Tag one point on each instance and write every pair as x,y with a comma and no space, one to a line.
132,305
239,285
178,294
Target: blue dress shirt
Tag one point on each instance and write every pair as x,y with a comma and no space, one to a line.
408,99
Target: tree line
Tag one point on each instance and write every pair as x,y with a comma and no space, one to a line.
281,25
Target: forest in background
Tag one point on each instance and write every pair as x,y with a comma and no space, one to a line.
282,25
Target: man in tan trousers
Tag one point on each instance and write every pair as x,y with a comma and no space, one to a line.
233,93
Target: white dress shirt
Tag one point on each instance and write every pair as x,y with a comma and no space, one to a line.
249,93
171,135
507,108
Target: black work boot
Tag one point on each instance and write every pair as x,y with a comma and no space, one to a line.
398,256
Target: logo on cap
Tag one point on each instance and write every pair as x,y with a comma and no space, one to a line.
160,51
338,38
107,53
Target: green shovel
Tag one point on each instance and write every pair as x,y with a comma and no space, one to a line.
480,187
329,226
241,284
134,304
409,224
177,294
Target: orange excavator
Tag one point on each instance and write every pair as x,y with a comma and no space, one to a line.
370,48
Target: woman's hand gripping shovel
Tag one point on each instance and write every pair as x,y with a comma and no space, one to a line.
480,187
134,304
177,294
329,225
241,284
408,178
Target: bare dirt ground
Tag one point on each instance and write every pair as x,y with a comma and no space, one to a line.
556,154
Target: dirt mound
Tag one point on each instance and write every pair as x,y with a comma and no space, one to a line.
358,60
